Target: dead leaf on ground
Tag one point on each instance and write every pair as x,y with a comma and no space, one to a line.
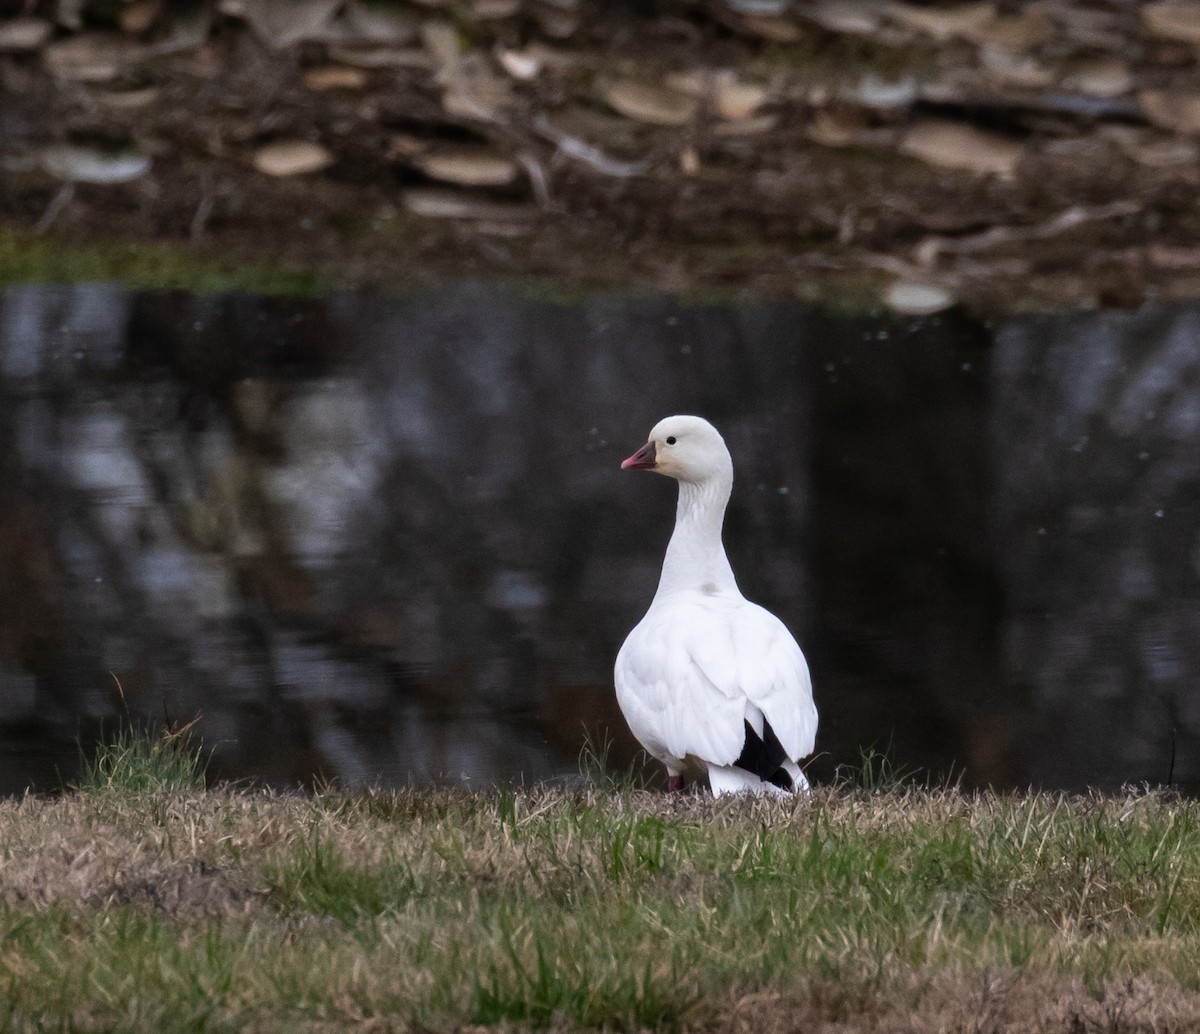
1173,19
1152,149
335,77
643,102
950,145
1087,26
469,167
186,30
139,16
771,28
754,126
90,57
291,158
1166,256
855,17
830,130
917,299
118,99
367,24
474,91
943,23
1100,77
24,34
770,8
405,146
1177,110
382,57
523,65
495,10
736,100
731,97
67,13
1167,153
283,23
440,40
1015,32
1012,68
446,204
557,23
74,163
874,91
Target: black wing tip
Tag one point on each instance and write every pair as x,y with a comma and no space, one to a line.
783,779
764,756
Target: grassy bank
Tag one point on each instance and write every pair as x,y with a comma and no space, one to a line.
28,257
167,907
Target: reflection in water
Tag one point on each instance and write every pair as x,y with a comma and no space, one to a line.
385,539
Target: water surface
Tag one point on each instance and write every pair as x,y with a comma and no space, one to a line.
385,539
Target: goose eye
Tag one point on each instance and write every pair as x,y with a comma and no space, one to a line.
671,440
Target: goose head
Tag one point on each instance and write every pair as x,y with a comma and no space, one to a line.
686,448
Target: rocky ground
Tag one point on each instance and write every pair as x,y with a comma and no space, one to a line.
999,154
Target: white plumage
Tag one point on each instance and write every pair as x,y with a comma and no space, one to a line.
709,682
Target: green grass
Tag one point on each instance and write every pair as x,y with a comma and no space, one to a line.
153,905
26,257
134,762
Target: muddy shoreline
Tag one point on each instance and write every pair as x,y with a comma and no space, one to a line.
1041,156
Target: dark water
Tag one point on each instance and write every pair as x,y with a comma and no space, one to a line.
383,539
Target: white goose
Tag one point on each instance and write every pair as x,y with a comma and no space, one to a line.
709,682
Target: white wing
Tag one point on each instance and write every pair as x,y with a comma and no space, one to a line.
697,666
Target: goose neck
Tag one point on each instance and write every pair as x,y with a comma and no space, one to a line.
696,557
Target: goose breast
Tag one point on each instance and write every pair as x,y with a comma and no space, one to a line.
697,667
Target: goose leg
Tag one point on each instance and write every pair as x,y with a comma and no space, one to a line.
799,781
725,779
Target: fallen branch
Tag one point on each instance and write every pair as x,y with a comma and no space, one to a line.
927,252
573,147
